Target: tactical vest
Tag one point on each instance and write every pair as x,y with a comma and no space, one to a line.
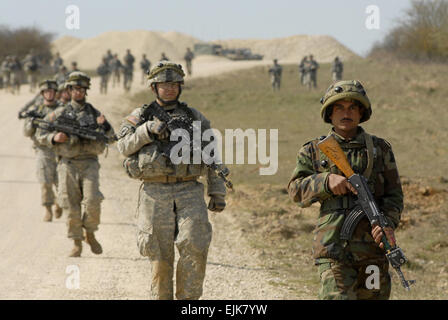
365,159
149,162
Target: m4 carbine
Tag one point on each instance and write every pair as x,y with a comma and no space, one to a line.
366,206
72,128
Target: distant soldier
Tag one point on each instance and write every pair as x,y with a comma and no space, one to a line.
337,69
74,67
313,71
31,66
6,72
115,67
311,67
164,57
189,56
57,63
145,64
128,69
61,75
302,72
276,75
103,71
16,75
46,159
108,56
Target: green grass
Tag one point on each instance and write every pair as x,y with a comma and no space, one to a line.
408,110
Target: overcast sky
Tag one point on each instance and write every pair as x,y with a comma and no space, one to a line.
345,20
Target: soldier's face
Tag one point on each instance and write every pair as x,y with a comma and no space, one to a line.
78,93
49,94
168,91
345,115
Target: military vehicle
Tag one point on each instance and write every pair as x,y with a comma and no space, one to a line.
232,54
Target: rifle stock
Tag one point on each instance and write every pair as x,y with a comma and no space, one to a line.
331,148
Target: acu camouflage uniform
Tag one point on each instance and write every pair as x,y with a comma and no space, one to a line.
276,75
171,209
342,264
46,158
78,167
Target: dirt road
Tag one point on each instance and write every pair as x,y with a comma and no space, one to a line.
34,260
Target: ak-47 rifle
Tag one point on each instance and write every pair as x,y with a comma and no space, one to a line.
185,123
365,206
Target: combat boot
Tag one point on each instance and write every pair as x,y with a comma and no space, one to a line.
57,211
77,249
48,215
95,246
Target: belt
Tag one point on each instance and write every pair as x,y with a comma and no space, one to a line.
338,203
170,179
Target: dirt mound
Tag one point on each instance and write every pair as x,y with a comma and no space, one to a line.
292,49
88,52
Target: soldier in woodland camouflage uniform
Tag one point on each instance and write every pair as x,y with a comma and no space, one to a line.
171,208
342,264
46,159
78,166
276,75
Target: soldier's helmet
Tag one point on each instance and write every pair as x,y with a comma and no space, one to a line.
166,71
345,90
78,78
48,84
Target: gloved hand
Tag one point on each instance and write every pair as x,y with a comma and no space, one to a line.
217,203
157,127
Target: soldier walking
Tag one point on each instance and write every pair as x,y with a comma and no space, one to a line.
336,69
145,65
189,56
31,66
276,75
171,209
302,71
46,158
115,66
104,72
342,263
128,70
78,166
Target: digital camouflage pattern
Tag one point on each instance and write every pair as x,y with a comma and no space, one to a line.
276,75
169,213
46,158
309,184
78,168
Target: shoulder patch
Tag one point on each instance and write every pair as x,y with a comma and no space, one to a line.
133,120
52,116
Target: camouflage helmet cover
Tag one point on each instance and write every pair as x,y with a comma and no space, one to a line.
345,90
78,78
48,84
166,71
